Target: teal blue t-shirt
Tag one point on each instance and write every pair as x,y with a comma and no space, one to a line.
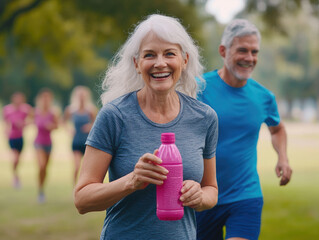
123,130
241,112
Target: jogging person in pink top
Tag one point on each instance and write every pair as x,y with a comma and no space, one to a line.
46,120
15,116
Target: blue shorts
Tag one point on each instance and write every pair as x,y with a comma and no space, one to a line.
242,219
78,147
46,148
16,144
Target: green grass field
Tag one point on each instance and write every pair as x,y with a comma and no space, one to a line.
290,212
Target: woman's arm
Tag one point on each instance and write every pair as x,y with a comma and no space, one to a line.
91,194
66,121
87,127
202,196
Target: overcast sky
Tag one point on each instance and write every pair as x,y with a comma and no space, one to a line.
224,10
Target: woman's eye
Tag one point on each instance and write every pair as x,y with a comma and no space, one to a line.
148,55
170,54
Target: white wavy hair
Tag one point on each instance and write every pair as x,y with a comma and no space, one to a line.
75,98
238,28
122,77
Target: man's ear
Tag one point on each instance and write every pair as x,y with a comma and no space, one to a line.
222,51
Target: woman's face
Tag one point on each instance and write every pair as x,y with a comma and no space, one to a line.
18,98
82,95
46,98
160,63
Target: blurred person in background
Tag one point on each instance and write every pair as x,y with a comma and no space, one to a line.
46,120
242,105
16,115
81,112
149,89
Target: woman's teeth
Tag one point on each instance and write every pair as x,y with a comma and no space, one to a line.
160,75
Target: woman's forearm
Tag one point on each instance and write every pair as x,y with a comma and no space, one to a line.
210,198
100,196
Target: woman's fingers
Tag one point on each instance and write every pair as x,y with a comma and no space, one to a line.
148,171
191,194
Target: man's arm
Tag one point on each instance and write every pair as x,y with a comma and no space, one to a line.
279,142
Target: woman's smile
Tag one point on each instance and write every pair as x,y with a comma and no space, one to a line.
160,63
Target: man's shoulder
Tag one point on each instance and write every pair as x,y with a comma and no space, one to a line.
256,86
210,75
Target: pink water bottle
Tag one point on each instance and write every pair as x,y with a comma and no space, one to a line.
169,207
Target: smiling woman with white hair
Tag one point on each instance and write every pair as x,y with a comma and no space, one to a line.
122,77
149,90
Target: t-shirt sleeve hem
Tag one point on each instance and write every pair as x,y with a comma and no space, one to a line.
209,156
273,124
98,146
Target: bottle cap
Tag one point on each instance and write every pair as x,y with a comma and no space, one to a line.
168,138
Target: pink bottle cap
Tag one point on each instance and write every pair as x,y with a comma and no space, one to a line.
168,138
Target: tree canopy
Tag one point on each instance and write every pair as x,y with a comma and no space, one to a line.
60,44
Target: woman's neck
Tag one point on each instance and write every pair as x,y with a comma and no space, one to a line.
159,108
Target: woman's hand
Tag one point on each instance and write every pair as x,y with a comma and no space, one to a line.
148,171
192,194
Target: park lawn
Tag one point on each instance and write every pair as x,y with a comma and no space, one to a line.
290,212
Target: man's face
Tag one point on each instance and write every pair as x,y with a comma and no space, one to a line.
241,57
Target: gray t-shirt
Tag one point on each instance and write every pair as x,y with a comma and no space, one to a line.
123,130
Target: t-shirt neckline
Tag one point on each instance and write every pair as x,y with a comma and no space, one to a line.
230,87
164,125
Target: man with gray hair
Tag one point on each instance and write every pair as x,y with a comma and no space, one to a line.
242,105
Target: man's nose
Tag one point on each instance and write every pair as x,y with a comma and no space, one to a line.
249,57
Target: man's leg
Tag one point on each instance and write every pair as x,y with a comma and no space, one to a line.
210,223
245,220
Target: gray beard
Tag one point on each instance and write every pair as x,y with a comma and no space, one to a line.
239,77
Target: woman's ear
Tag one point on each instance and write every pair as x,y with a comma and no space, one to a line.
185,61
136,65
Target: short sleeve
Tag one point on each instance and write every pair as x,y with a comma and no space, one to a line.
212,134
106,131
200,89
273,118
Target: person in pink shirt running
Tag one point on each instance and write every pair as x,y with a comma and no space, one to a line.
16,116
46,120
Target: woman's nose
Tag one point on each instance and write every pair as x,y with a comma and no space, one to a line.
160,62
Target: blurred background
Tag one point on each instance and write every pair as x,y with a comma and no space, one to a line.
61,44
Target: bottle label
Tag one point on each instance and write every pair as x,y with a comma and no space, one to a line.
169,192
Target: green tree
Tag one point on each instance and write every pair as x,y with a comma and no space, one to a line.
60,44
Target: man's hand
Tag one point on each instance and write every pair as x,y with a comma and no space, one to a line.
283,171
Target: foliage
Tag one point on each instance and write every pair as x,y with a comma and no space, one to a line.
273,12
59,44
290,63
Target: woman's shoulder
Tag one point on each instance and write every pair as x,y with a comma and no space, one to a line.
8,108
194,103
197,109
120,104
